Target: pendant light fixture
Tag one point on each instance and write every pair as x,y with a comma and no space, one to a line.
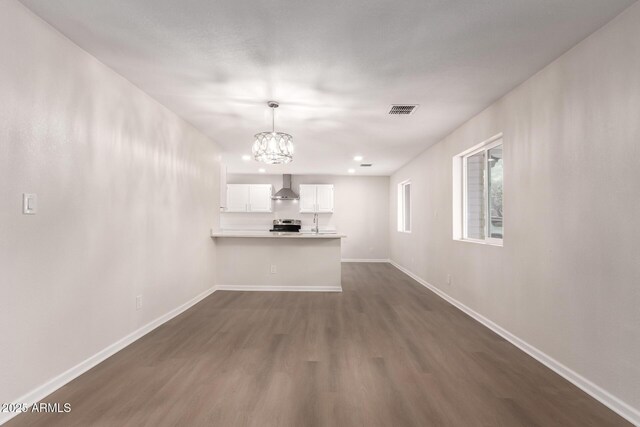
273,147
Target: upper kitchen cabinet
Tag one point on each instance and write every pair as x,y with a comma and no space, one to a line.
260,198
316,198
307,198
324,198
249,198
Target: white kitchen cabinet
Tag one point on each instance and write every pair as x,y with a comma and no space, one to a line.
307,198
249,198
324,198
316,198
237,197
260,198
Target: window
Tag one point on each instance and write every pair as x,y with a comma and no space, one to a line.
478,193
404,207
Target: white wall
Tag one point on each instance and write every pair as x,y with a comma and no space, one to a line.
127,194
567,280
361,211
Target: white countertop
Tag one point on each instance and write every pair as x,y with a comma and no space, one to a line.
278,235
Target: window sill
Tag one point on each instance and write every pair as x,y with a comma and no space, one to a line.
404,232
481,242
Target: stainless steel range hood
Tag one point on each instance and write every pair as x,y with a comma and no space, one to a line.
286,193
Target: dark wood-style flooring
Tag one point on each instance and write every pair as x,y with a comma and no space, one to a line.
385,352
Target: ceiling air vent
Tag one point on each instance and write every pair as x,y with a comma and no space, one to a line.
366,165
403,109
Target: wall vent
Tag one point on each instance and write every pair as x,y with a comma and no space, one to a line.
404,109
366,165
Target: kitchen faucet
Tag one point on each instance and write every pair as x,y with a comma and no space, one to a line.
316,221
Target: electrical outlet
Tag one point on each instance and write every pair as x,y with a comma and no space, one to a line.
274,269
448,279
138,302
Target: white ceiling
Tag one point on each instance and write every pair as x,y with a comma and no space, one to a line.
334,65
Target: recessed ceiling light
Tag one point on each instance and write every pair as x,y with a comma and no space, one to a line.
261,170
358,158
246,158
351,171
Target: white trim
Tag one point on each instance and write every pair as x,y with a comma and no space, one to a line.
618,406
488,242
269,288
365,260
42,391
478,146
494,241
457,202
402,206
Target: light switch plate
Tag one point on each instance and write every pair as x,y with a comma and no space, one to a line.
29,203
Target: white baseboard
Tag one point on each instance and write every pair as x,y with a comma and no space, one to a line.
365,260
54,384
623,409
266,288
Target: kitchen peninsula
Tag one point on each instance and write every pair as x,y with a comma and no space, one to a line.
268,261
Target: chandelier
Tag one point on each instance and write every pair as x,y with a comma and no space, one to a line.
273,147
